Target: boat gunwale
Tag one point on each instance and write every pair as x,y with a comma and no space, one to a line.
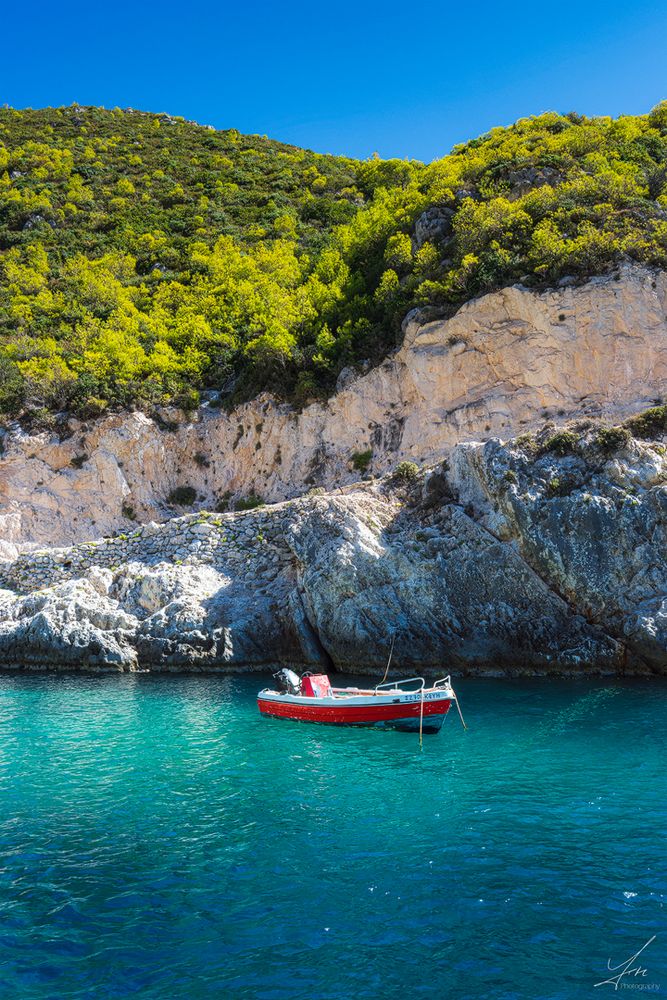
360,697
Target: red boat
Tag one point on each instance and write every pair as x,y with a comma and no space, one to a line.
407,705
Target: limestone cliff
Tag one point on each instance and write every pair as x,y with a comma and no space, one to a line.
508,557
498,366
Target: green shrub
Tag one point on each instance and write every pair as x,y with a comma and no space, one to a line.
249,503
187,399
527,443
611,439
129,512
658,116
305,389
510,476
562,443
182,496
407,471
12,386
79,460
200,458
222,505
361,459
650,423
91,408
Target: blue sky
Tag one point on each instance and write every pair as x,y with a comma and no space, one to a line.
402,79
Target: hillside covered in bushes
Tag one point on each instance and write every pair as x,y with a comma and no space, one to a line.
144,258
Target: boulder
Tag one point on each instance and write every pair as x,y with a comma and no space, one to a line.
68,626
434,225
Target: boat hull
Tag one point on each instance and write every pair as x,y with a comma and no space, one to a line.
380,713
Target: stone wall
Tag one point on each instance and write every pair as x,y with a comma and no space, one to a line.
252,544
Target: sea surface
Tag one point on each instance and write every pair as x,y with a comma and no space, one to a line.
159,839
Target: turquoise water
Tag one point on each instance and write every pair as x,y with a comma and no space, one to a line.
159,839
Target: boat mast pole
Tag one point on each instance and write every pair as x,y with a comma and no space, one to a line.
421,721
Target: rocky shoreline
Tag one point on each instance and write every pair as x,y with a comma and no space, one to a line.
525,557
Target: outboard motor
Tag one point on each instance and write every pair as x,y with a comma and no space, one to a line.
288,681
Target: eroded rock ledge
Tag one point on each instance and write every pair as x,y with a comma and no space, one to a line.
496,367
508,558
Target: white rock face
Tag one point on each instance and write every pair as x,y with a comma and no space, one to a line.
69,626
508,558
492,370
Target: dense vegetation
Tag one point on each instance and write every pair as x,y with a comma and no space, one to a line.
144,258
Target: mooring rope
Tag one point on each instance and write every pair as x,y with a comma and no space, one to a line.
458,709
391,653
421,717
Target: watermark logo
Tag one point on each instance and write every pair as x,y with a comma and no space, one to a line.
630,974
